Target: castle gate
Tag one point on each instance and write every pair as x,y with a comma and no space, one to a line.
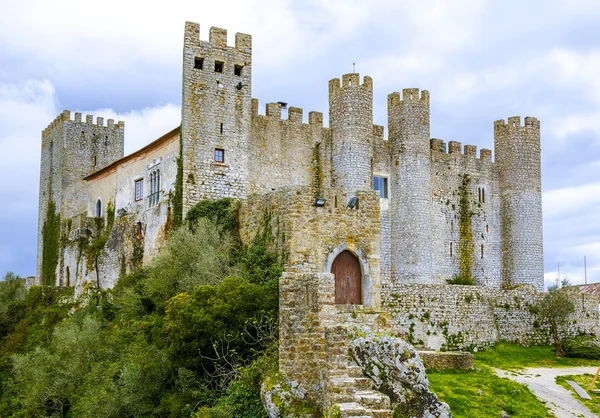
348,279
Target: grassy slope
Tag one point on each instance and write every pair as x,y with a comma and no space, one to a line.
461,388
509,356
583,380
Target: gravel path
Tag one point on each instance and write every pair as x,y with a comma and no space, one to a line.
558,399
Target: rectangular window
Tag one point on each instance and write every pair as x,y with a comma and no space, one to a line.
237,70
199,63
380,184
219,155
218,66
139,190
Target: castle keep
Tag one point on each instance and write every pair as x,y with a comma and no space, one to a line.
371,224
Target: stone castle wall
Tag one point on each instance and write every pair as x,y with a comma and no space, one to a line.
139,228
312,236
518,156
284,151
457,179
465,317
216,114
72,149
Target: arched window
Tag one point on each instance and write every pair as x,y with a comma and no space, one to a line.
154,188
98,208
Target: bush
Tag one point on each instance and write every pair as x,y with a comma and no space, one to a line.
582,347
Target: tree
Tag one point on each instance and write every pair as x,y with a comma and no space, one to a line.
554,310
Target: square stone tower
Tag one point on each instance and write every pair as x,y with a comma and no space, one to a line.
216,115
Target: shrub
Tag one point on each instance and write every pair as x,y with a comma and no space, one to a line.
582,347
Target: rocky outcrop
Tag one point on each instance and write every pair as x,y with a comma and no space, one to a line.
396,371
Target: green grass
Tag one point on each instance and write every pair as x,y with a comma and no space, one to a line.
583,380
507,356
460,389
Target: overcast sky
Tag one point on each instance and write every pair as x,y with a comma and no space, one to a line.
481,61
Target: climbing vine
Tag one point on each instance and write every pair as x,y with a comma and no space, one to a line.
318,171
50,245
465,239
177,199
94,248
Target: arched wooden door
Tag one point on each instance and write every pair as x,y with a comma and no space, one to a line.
348,279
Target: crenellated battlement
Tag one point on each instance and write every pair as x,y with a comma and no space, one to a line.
217,38
294,114
411,95
456,148
65,116
514,122
349,81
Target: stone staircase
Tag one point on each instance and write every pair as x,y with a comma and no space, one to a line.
347,387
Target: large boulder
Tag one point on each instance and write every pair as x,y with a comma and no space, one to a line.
397,371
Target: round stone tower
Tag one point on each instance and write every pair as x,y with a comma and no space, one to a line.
351,123
410,191
518,158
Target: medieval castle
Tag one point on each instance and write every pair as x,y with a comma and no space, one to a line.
371,223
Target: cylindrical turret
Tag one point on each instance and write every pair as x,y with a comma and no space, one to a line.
519,167
351,123
412,241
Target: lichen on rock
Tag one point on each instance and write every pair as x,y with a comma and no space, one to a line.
397,371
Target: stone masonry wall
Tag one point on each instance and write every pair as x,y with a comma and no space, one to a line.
351,123
412,232
71,150
466,317
285,152
448,171
312,236
519,166
216,114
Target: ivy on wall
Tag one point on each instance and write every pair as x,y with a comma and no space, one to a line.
50,245
177,200
465,239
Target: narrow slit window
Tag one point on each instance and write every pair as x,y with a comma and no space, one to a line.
98,208
218,66
221,127
450,249
237,70
219,155
481,250
199,63
139,231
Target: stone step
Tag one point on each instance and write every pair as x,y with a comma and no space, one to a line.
351,409
363,383
372,399
381,413
342,382
354,371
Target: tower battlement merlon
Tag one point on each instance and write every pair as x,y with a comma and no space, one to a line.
514,122
350,80
89,120
65,116
438,145
217,38
315,118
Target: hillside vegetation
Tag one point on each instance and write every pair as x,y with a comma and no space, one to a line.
189,335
